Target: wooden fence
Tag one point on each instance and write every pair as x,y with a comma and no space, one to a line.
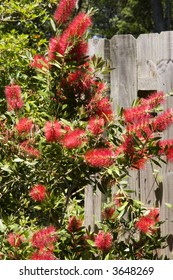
140,66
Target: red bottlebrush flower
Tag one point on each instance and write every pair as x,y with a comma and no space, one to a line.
104,104
58,45
28,149
143,129
74,224
154,99
108,213
139,163
79,50
13,97
154,214
74,77
38,193
86,82
24,125
137,158
144,224
43,255
103,241
14,239
79,25
128,145
74,139
53,42
53,131
166,148
96,125
44,238
92,105
105,109
165,144
67,128
163,121
80,80
100,157
100,87
40,62
64,10
136,114
170,154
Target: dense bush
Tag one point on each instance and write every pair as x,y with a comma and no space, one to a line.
62,135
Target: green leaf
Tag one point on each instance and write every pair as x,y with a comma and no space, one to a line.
138,202
18,159
156,162
124,183
90,242
123,206
110,171
108,257
2,226
52,24
58,65
64,106
37,207
30,163
27,106
130,191
169,205
68,178
6,168
102,188
116,170
66,122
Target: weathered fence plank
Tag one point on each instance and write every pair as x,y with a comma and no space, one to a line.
123,75
147,57
165,83
94,200
147,52
123,59
89,207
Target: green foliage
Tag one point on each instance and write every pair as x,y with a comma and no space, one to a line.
128,242
25,28
122,17
130,17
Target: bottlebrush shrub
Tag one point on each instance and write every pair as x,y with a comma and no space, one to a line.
127,231
63,136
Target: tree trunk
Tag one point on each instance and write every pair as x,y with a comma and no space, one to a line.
168,15
158,17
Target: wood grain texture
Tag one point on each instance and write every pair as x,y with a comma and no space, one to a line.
94,199
123,75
